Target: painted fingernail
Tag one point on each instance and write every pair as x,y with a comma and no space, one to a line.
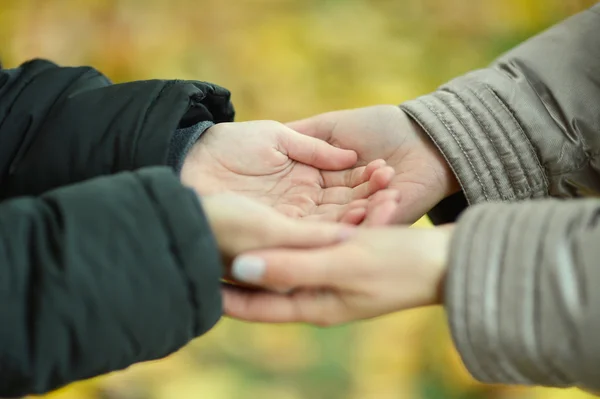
346,233
249,269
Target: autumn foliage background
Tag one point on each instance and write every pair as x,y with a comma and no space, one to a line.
286,59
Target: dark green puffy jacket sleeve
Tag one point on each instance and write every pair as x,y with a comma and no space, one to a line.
100,275
62,125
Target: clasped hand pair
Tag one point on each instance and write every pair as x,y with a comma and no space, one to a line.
284,203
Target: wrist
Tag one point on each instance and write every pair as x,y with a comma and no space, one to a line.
183,142
438,261
195,161
449,183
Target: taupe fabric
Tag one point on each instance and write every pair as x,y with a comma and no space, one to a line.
522,293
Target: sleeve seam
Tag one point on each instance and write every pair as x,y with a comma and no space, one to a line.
504,133
485,131
519,126
453,134
477,145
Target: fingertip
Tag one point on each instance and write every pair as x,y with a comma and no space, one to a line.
372,167
381,214
384,195
354,216
359,203
248,268
333,158
350,156
382,177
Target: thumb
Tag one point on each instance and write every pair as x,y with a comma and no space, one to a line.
319,126
317,153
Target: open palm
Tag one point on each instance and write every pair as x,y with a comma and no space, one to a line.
299,176
422,176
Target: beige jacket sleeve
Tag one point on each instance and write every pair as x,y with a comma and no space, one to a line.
529,125
522,291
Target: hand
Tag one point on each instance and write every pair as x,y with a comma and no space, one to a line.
423,177
375,272
240,224
299,176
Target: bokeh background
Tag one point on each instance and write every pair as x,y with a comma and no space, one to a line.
286,59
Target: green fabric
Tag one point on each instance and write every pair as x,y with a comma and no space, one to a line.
106,259
100,275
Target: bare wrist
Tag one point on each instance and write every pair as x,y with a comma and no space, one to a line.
447,177
439,261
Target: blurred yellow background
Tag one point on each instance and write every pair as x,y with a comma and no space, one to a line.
286,59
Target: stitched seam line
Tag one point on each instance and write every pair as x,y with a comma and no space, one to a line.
515,120
504,134
454,136
485,131
481,151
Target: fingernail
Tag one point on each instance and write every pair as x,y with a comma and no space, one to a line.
249,269
346,233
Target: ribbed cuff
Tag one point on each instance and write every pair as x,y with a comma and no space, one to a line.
182,142
482,139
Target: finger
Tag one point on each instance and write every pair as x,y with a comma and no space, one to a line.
320,308
298,268
345,178
382,196
297,233
354,216
382,208
341,208
351,177
373,166
258,306
337,212
381,214
379,180
317,153
319,126
414,202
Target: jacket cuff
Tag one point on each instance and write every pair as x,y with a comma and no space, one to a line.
510,289
482,139
182,141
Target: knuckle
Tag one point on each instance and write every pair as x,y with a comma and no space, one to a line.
285,276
